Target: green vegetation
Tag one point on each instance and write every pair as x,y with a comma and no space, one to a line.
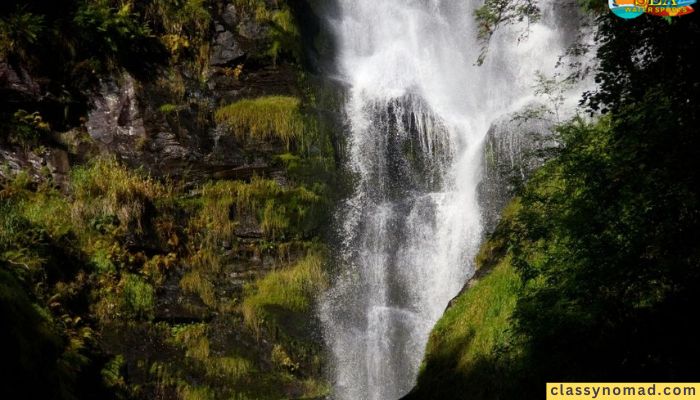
285,291
90,266
117,285
495,13
109,27
18,31
284,38
138,297
184,28
107,194
480,317
270,117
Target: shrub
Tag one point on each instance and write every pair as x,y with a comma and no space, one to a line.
185,24
18,32
28,128
283,31
108,29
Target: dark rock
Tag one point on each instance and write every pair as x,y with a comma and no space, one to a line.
58,165
16,84
513,149
40,164
230,16
115,121
173,305
225,49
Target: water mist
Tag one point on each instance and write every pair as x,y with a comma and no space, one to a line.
418,110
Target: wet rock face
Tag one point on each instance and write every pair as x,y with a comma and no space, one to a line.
513,150
16,83
117,123
115,120
126,117
225,49
125,120
47,163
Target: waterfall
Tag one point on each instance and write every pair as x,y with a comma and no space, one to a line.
418,109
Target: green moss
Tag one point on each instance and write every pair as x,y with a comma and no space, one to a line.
263,118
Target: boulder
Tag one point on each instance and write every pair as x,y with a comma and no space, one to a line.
225,49
513,149
115,120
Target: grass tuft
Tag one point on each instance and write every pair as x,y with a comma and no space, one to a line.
105,189
264,118
138,297
292,289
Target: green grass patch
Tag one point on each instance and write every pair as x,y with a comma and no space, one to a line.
292,289
478,323
138,297
473,340
264,118
50,210
106,189
196,282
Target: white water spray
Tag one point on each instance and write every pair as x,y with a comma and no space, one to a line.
418,111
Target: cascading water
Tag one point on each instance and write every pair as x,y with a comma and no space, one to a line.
418,109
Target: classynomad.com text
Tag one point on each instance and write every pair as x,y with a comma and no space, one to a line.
623,391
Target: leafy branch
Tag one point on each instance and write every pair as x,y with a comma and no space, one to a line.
495,13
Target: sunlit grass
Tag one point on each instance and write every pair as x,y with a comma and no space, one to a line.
293,289
105,188
263,118
480,318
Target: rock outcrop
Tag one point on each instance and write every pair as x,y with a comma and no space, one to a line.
513,149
